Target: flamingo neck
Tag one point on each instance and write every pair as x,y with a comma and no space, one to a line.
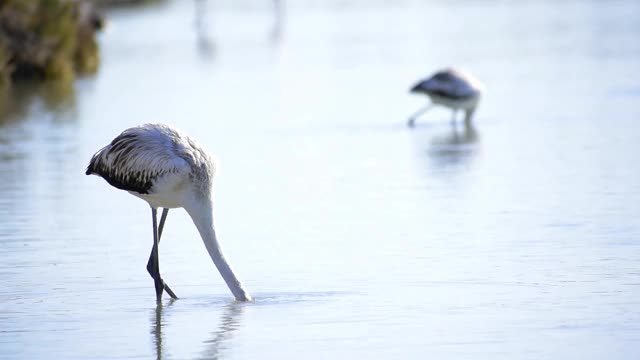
201,213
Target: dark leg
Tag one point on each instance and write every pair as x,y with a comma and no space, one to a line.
155,271
412,118
152,264
163,218
467,117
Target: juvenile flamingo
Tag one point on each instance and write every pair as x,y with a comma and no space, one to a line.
451,88
167,169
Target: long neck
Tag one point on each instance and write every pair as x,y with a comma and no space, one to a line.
202,215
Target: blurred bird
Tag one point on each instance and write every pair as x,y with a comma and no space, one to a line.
167,169
451,88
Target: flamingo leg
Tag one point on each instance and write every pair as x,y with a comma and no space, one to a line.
412,118
163,218
467,117
153,266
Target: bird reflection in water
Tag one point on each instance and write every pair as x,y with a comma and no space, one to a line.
456,147
55,98
156,327
214,345
229,322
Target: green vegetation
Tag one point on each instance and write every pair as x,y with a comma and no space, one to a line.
4,64
47,39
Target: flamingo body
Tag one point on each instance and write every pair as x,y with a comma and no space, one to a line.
157,163
167,169
451,88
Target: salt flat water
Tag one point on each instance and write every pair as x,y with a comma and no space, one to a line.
517,238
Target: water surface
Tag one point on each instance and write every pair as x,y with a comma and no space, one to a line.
514,239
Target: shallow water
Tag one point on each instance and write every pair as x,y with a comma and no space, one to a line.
515,239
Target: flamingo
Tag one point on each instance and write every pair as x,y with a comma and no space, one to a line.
168,170
451,88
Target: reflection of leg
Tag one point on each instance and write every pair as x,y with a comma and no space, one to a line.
156,327
412,118
229,322
453,115
157,331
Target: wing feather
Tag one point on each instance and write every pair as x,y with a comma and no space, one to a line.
449,83
138,156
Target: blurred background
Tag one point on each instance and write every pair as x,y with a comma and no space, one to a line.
514,238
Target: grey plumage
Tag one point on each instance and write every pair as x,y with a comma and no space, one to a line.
448,83
167,169
451,88
140,155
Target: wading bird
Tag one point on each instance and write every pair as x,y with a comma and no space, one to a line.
451,88
167,169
